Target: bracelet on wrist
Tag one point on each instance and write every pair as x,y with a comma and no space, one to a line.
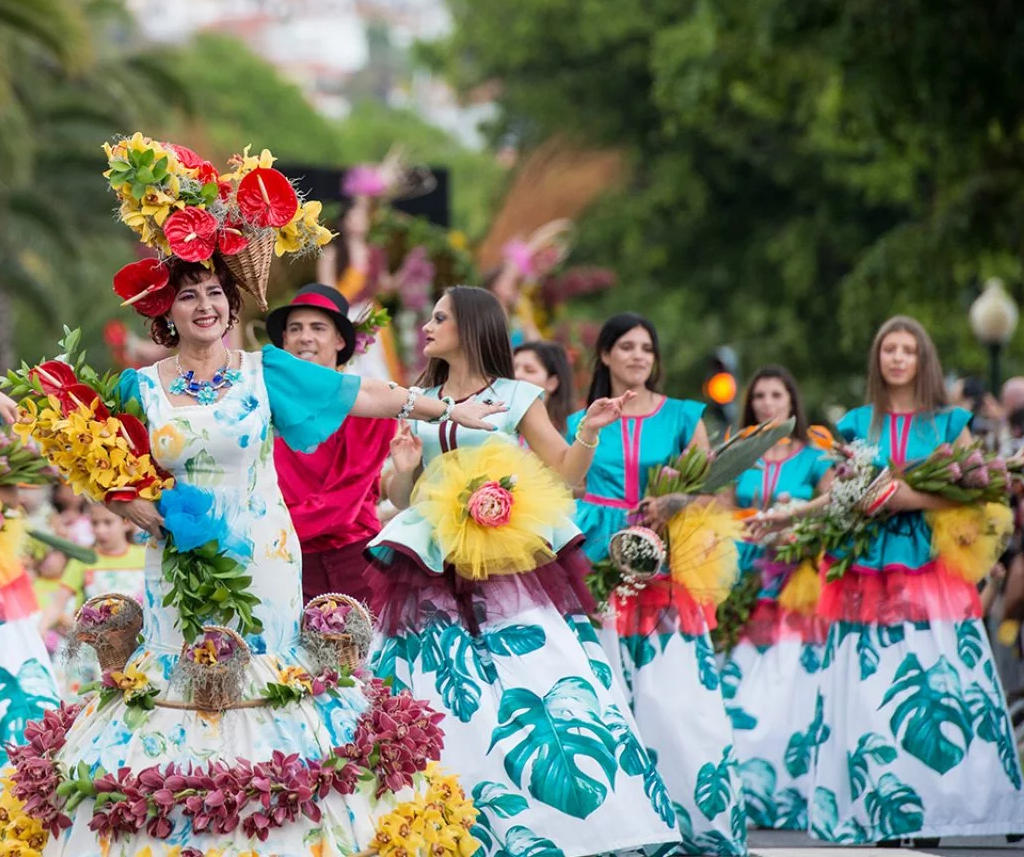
410,403
446,414
582,441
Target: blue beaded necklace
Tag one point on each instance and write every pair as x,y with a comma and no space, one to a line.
204,392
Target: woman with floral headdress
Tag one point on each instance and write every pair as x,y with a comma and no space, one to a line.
657,637
253,770
482,607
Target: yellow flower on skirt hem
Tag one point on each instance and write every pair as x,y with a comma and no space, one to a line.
969,539
540,500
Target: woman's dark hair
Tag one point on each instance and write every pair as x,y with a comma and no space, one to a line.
555,361
796,405
614,329
181,273
483,337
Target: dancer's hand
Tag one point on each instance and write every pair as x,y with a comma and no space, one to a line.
8,408
471,414
142,513
766,523
658,511
603,412
406,449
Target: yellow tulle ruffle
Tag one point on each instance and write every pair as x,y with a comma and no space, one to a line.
801,592
969,539
702,550
540,500
12,539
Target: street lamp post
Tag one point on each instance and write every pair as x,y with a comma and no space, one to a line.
993,317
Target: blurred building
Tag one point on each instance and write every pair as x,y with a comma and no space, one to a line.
337,51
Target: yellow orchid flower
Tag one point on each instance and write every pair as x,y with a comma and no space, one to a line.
130,678
297,677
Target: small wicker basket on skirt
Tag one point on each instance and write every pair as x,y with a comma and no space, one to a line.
336,649
216,686
117,637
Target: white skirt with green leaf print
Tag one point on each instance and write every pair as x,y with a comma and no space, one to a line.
545,746
676,696
912,737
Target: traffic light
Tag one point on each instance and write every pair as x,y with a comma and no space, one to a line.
720,384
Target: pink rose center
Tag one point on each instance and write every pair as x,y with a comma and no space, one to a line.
490,505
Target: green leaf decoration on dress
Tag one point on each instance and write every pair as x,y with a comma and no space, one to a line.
588,638
810,658
873,747
867,654
825,815
498,798
894,808
24,698
457,676
740,718
636,761
520,841
564,726
202,469
838,632
684,824
730,676
713,792
707,669
738,823
639,649
759,781
717,843
992,723
968,643
932,713
890,635
852,832
514,640
384,664
792,810
802,744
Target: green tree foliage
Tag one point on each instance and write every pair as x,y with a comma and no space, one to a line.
802,170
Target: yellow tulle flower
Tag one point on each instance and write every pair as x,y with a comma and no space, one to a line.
969,539
702,550
477,552
802,590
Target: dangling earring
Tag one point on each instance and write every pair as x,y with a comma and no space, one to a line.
171,329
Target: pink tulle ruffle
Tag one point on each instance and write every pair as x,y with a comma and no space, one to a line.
662,606
769,623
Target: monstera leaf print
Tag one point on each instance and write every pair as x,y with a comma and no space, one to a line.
585,633
810,658
759,780
635,761
23,698
522,842
870,747
867,654
514,640
968,643
639,648
459,674
741,719
802,744
717,843
731,676
825,813
714,789
894,808
384,665
559,729
992,723
707,669
792,810
498,798
932,713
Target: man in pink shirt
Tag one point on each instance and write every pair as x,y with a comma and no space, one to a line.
332,492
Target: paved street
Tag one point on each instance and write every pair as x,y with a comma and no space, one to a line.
765,843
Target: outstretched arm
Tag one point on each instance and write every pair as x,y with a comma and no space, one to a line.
379,399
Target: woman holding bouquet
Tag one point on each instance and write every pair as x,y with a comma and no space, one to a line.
771,678
911,736
483,610
658,637
212,414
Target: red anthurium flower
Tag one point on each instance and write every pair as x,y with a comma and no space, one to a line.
230,239
55,376
82,394
192,234
138,437
143,286
266,198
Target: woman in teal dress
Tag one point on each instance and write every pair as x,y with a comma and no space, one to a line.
217,441
770,679
912,736
535,727
658,637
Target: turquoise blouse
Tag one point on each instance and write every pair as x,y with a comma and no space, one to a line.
617,478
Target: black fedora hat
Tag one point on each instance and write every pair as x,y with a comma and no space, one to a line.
321,297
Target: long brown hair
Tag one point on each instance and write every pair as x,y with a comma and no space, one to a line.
796,405
929,388
483,337
611,332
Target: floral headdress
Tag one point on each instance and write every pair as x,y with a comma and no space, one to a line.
180,205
